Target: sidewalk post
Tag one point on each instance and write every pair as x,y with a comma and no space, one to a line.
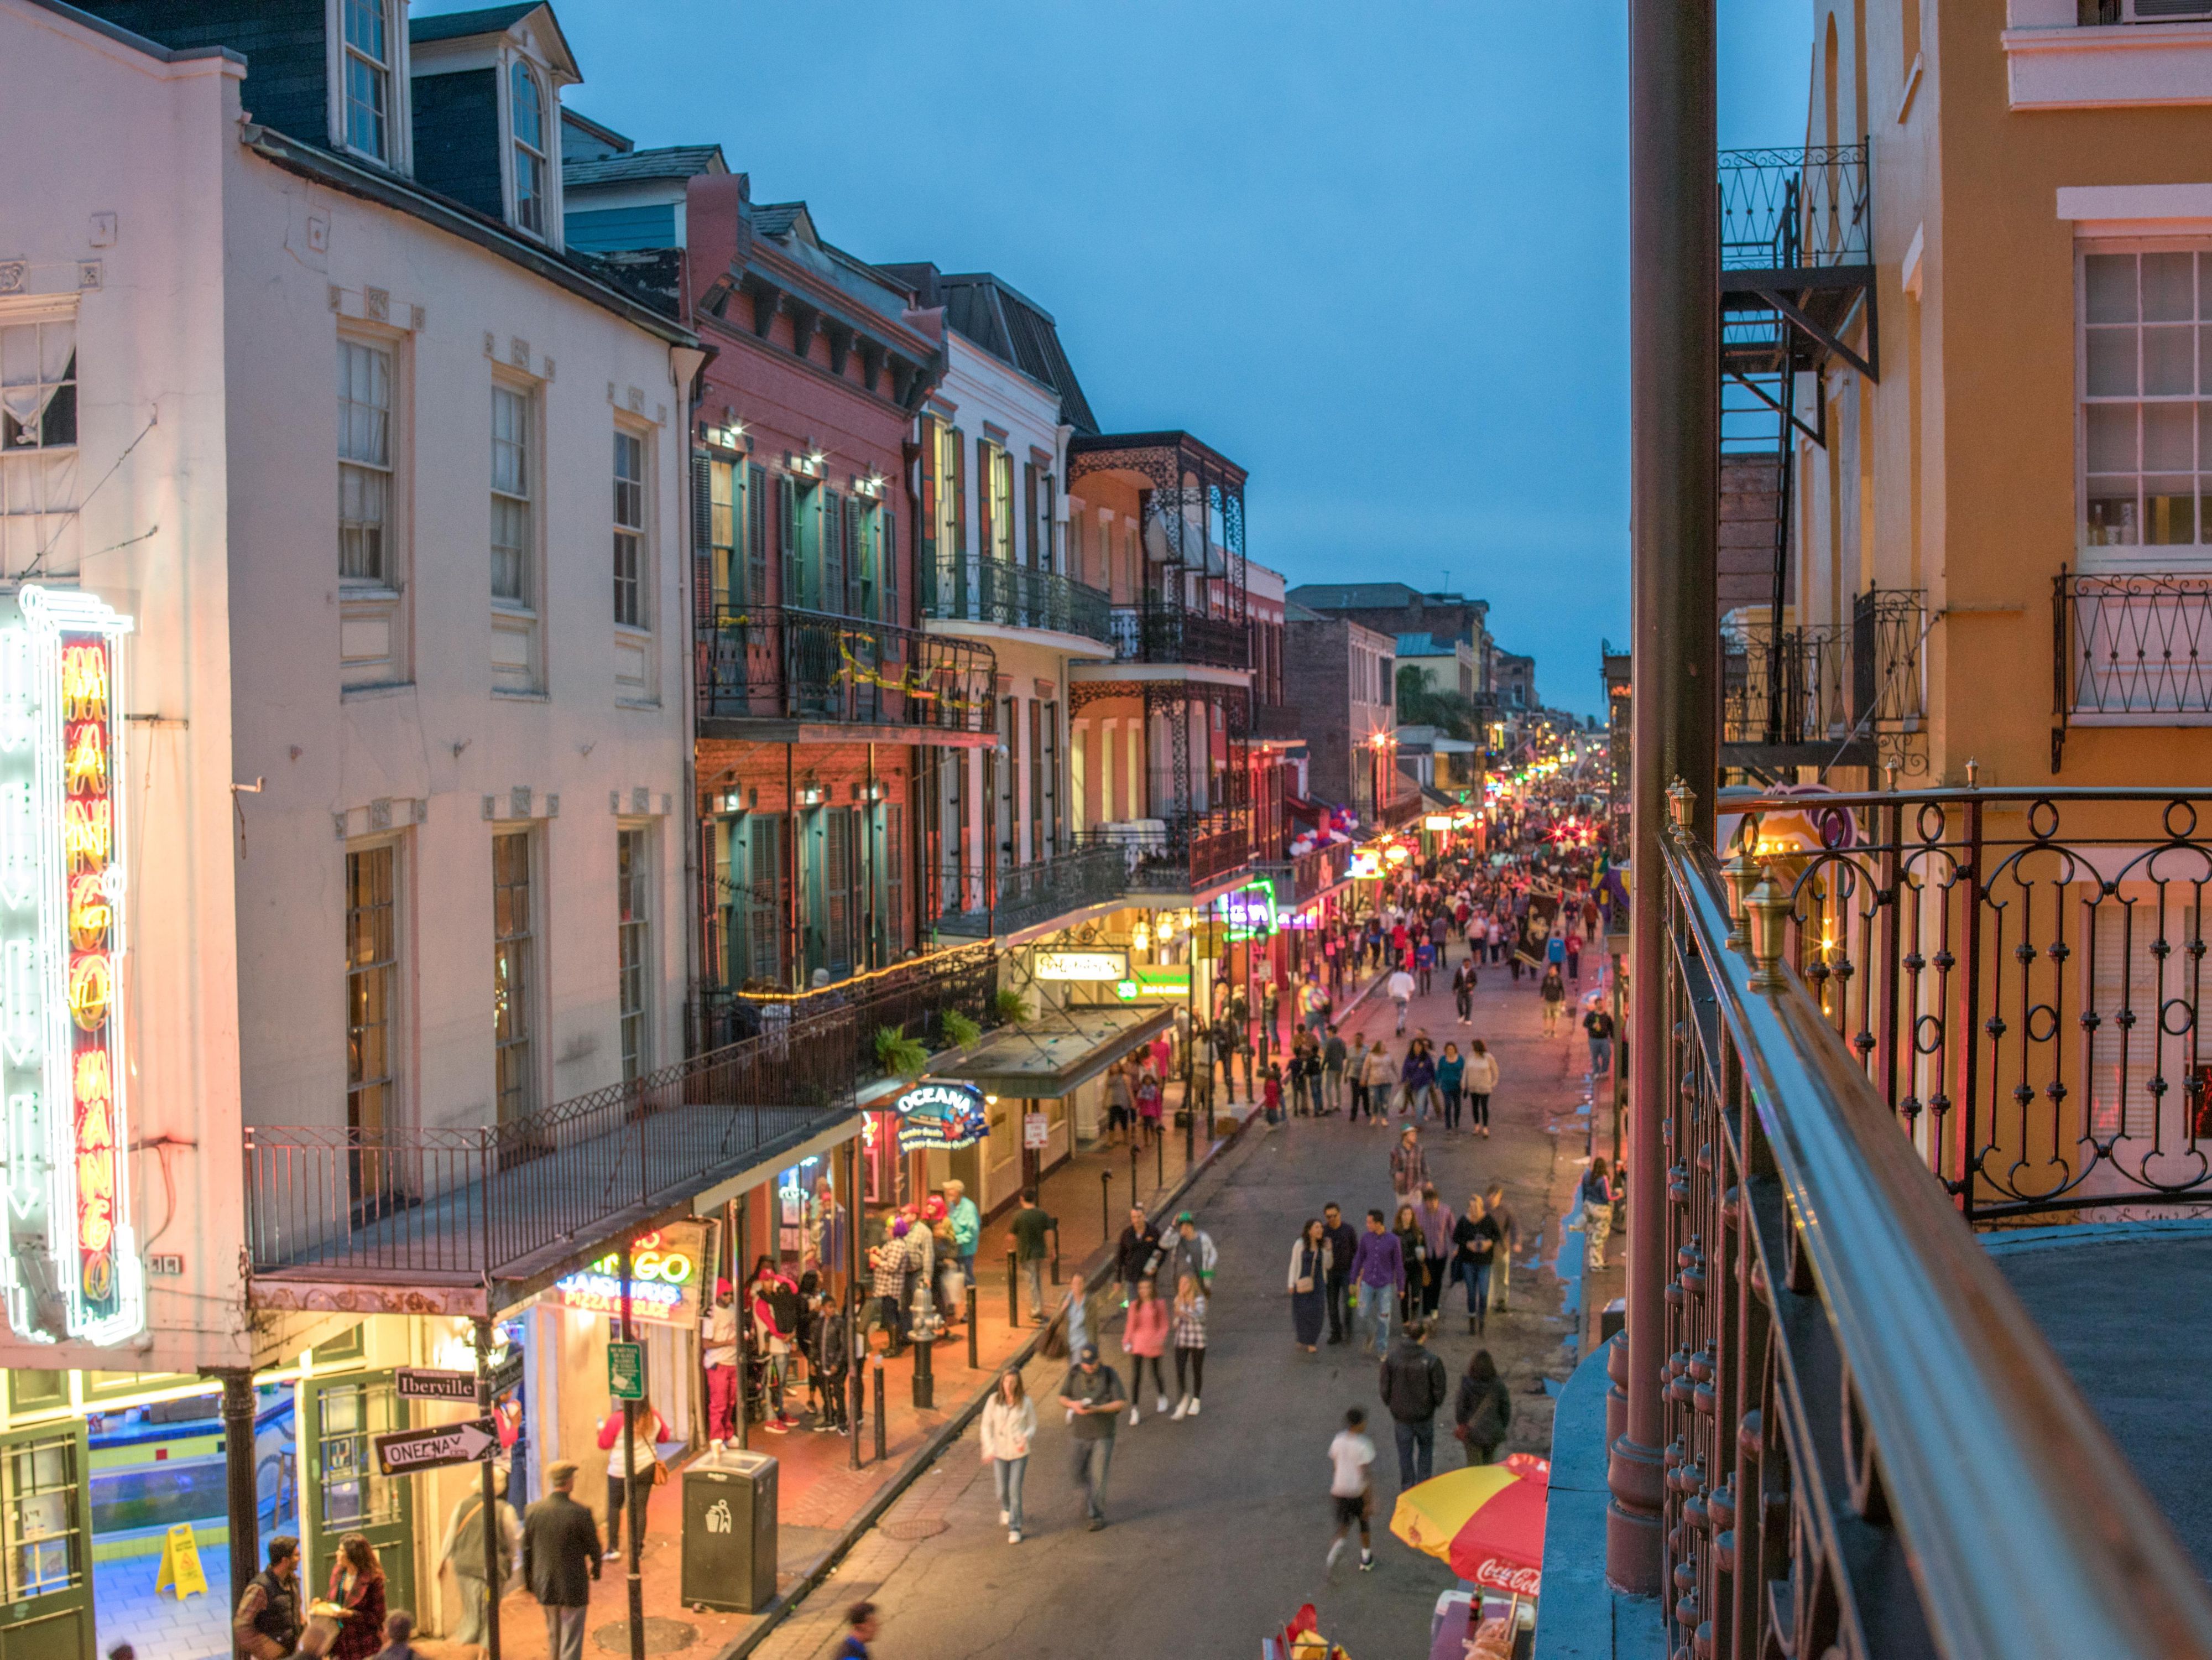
883,1445
1056,1253
1013,1292
1133,1178
973,1361
1159,1163
1105,1208
924,1374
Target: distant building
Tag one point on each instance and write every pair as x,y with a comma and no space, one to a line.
1446,666
1342,678
1514,680
1394,609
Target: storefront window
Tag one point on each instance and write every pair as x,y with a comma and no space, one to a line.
39,1510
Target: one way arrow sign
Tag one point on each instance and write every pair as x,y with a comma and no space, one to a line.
404,1452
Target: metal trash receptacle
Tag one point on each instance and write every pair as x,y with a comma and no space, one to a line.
729,1532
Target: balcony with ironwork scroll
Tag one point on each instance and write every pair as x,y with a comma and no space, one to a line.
1826,696
469,1220
1310,875
1090,870
1883,1435
1154,633
781,674
2129,650
1185,854
998,594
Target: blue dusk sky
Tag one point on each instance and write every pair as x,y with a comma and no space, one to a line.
1376,255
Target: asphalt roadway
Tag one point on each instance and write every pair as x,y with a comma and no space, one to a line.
1218,1524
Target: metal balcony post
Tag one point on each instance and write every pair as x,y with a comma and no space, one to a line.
1674,252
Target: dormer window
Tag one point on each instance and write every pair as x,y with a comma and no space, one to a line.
367,78
527,105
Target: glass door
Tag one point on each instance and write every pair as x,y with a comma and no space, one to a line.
339,1419
45,1554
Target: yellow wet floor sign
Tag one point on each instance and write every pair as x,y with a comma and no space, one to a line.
180,1563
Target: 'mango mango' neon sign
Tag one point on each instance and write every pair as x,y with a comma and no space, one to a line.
74,1270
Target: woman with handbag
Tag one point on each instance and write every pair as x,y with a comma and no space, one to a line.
648,1430
1310,1262
1484,1410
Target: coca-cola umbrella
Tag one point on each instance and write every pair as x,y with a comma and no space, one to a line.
1487,1521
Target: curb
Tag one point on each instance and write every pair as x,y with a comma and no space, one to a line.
1088,1275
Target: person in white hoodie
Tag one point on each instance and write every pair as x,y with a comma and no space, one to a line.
1009,1425
1480,1080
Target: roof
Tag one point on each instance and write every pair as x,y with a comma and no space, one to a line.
779,218
1009,324
1427,645
1373,596
672,161
1294,612
459,25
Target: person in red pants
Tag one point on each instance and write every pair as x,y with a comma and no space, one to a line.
719,1352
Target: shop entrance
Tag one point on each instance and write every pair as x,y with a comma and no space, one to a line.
345,1493
46,1552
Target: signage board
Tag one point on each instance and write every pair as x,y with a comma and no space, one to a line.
73,1267
474,1441
940,1117
1085,966
415,1384
626,1371
1437,821
1164,979
1366,862
1250,911
664,1277
1036,1131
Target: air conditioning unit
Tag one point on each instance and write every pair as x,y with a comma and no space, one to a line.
2164,11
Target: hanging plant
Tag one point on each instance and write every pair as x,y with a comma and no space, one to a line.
959,1030
900,1055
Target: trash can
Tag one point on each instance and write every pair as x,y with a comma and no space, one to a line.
729,1532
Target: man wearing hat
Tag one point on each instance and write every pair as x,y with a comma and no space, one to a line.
1190,1250
560,1560
1093,1394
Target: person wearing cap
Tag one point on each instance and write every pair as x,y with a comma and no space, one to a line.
1190,1251
719,1352
560,1559
463,1550
1092,1395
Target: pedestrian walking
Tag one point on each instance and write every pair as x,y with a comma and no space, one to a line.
1309,1284
1378,1275
1009,1425
1149,1097
1597,1211
1483,1409
1355,1073
398,1640
1400,987
718,1354
1474,1247
1190,1330
966,1223
1351,1488
1026,1233
1414,1387
775,1305
1413,1251
1145,1337
1418,1079
1409,1169
1189,1252
861,1626
560,1559
1463,983
1451,1073
1380,1076
1509,1240
647,1432
1424,965
1436,1222
1271,1092
1332,1058
830,1361
1343,1241
265,1625
463,1550
1597,1026
1092,1395
1136,1254
1553,991
357,1584
1121,1102
1481,1084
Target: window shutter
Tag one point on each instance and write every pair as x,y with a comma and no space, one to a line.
933,442
986,505
787,534
703,540
754,513
887,562
894,920
833,550
1034,555
860,584
956,455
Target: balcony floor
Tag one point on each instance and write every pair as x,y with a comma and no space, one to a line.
2129,1308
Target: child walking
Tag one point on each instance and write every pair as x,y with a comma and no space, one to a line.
1351,1488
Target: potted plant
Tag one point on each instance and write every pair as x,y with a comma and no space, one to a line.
898,1054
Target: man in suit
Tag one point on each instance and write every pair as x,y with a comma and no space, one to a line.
560,1559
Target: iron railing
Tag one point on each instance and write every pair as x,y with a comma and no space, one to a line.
911,998
1784,209
976,590
1833,683
1168,634
470,1205
2137,647
1870,1449
769,662
1090,871
1313,872
2021,974
1191,852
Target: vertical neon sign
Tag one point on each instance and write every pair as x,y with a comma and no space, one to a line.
75,1268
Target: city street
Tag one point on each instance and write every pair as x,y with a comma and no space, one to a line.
1218,1524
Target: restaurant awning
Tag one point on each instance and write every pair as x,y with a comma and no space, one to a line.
1052,1054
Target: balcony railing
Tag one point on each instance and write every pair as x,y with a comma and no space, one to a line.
773,663
2131,648
1013,596
1825,684
1870,1447
1089,872
1314,870
1785,209
464,1207
1183,853
1165,634
911,997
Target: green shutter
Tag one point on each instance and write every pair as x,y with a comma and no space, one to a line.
786,533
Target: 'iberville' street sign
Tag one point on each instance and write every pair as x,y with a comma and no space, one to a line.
404,1452
414,1383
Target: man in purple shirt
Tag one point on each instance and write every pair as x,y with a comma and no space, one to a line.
1378,1273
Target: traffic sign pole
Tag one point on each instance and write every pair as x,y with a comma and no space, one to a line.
495,1536
629,1488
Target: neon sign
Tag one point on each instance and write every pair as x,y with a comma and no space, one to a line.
941,1118
663,1266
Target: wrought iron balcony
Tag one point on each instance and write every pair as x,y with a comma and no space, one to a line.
463,1209
2131,650
1191,851
768,663
1013,596
1313,872
1870,1446
1168,634
1784,210
1090,871
1829,696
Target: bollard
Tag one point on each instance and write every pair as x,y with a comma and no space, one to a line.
1105,1204
1013,1292
883,1448
1159,1162
1055,1255
1133,1178
973,1362
924,1378
1190,1129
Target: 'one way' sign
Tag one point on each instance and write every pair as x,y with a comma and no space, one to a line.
404,1452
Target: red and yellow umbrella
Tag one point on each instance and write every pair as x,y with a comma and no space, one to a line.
1486,1521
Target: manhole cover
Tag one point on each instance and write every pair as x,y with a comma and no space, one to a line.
661,1636
911,1528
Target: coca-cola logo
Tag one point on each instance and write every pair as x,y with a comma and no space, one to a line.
1513,1580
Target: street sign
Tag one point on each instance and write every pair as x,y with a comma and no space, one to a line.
626,1371
414,1383
508,1374
1036,1132
404,1452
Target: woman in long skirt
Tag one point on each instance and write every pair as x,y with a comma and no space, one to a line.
1310,1267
